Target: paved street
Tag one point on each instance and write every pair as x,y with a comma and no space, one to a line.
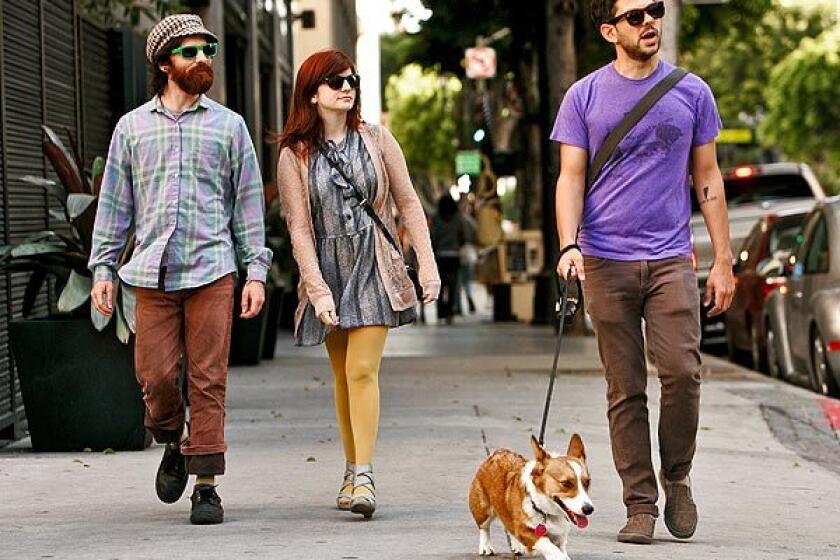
766,477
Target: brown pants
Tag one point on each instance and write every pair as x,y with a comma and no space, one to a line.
663,293
194,324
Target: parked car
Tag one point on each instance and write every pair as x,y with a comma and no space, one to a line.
802,318
752,191
757,275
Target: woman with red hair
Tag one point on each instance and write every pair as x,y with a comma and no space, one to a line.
339,180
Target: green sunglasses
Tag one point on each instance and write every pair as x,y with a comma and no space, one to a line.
191,51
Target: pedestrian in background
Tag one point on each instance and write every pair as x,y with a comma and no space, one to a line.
468,255
182,170
449,233
633,251
354,285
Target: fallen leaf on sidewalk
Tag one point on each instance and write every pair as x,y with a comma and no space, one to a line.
311,460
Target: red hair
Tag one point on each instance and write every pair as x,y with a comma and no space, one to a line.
304,128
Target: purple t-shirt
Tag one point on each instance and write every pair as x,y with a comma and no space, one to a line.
640,206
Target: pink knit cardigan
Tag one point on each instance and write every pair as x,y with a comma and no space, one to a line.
393,188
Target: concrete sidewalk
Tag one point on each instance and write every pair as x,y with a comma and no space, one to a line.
444,390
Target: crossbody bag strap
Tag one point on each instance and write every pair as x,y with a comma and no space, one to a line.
629,121
362,199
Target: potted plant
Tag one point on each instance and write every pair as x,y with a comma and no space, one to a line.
76,368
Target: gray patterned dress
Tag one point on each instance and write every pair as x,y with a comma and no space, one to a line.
344,241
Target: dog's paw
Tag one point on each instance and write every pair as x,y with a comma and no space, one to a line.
517,547
486,550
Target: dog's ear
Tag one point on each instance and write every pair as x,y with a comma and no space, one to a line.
576,448
539,453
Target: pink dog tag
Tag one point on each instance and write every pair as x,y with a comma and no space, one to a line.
540,530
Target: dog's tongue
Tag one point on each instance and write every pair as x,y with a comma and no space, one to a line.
581,521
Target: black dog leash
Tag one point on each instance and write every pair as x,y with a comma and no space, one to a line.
563,316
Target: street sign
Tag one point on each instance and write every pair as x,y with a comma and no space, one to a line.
468,162
736,136
481,62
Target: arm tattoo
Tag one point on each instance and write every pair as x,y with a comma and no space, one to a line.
706,196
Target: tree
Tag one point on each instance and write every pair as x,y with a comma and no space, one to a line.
802,107
421,106
737,59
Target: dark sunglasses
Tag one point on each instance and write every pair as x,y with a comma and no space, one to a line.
637,17
337,82
210,50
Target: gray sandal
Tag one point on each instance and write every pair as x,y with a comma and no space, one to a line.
364,504
345,493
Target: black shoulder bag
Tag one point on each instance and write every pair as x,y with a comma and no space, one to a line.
368,207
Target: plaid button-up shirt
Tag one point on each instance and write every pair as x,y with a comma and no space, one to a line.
191,186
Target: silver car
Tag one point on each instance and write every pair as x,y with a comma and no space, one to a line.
803,315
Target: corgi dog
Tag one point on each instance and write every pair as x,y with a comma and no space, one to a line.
537,501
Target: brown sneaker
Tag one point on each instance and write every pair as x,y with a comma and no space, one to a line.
680,510
638,530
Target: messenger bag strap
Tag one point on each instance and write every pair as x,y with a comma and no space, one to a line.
332,159
629,121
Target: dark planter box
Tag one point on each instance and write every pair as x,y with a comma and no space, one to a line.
275,307
248,335
78,385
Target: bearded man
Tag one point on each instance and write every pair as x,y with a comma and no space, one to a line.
627,238
182,171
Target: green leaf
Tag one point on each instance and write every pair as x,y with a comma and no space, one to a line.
58,215
123,332
97,169
33,249
33,287
75,293
77,204
129,306
53,188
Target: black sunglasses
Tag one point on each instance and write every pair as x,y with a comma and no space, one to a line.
637,17
337,82
210,50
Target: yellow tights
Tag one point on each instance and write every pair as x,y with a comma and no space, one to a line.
355,355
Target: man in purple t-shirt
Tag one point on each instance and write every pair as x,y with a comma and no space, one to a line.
628,239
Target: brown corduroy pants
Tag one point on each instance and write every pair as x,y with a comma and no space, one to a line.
664,293
195,325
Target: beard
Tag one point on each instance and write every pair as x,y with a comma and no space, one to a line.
636,51
195,80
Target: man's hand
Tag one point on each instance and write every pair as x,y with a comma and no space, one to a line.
102,296
253,297
571,262
720,288
329,318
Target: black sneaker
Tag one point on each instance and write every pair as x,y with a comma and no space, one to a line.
206,506
171,479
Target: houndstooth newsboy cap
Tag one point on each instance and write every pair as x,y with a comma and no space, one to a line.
173,27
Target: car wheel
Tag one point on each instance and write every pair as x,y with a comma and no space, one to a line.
773,367
757,351
822,378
